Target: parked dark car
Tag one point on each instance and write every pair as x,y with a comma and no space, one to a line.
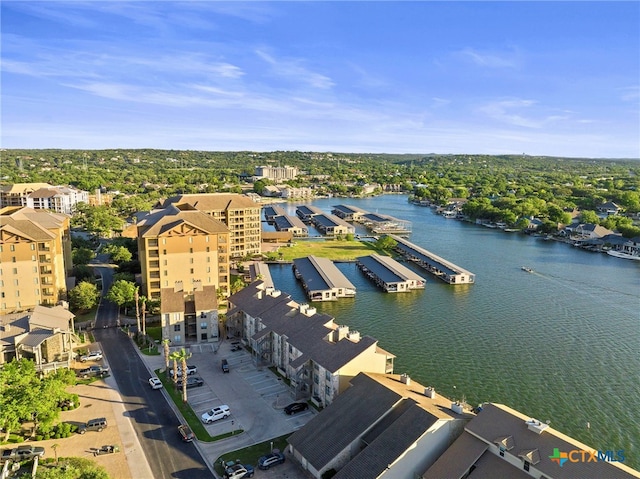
296,407
97,424
271,459
192,382
93,371
186,433
225,366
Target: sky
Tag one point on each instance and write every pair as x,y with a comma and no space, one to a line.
540,78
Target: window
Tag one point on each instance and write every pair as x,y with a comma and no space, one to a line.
190,260
17,294
177,338
33,247
166,283
191,250
13,258
35,280
15,270
203,336
327,376
526,465
191,270
190,239
35,269
327,391
15,282
207,247
12,248
165,273
176,327
165,262
502,451
203,325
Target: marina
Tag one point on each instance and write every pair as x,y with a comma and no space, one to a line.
559,344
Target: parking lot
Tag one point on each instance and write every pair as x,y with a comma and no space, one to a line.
256,398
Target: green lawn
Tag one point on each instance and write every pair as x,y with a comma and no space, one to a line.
250,455
333,249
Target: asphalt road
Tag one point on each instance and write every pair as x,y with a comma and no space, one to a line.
154,421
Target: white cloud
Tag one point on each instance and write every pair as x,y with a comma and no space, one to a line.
491,59
293,69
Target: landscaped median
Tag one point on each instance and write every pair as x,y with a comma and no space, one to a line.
189,415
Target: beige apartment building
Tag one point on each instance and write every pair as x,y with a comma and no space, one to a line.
184,256
17,193
239,212
35,258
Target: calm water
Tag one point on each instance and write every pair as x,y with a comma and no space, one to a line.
560,344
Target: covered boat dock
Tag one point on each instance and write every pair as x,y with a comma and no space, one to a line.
434,264
388,274
322,280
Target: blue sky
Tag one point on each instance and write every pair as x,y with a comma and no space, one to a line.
542,78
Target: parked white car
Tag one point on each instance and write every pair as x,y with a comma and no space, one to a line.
155,383
216,413
91,356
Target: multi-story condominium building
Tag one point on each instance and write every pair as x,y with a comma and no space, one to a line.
503,442
184,256
61,199
382,426
239,212
16,194
276,172
35,258
317,356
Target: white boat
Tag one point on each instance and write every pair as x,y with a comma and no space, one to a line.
528,270
620,254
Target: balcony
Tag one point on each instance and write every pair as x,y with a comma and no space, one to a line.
45,270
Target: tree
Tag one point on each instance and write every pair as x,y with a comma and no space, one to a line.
122,293
182,356
82,256
167,354
175,356
237,285
589,217
119,254
83,297
386,243
55,451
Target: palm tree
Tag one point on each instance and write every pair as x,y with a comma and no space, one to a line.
55,451
183,355
167,353
136,299
175,357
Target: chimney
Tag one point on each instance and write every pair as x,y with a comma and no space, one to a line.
405,379
430,392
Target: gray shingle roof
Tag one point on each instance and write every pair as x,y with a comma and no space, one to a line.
349,416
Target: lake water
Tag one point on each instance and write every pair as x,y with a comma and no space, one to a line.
559,344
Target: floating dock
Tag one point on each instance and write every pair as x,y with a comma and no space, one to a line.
434,264
389,275
322,280
331,225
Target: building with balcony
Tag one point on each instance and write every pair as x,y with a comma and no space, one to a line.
184,257
238,212
35,258
382,426
316,355
17,193
276,172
